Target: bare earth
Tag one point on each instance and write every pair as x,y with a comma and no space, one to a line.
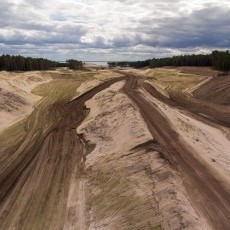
135,149
16,99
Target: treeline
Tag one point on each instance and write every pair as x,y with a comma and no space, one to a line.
221,60
20,63
74,64
185,60
136,64
218,59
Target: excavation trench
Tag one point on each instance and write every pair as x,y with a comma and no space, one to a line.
38,172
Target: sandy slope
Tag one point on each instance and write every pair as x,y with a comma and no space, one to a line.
130,185
202,183
142,165
210,142
16,99
42,171
96,79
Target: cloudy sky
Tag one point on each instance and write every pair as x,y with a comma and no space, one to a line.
113,30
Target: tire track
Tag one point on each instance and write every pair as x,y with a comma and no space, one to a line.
36,174
206,192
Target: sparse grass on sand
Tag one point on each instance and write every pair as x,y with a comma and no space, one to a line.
46,112
173,80
60,90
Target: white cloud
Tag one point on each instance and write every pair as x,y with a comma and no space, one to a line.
101,29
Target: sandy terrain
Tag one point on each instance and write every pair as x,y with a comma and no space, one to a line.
203,71
96,79
199,179
210,142
124,154
16,99
200,93
215,91
42,161
104,150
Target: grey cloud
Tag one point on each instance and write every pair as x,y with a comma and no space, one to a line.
204,28
127,28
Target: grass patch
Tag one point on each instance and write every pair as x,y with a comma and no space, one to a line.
173,80
48,112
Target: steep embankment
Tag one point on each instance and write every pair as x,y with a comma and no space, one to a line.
181,84
215,91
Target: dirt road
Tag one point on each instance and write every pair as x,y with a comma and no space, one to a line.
205,190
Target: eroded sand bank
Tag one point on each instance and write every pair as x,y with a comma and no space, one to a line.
17,100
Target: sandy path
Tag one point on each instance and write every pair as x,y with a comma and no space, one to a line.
205,190
211,142
76,211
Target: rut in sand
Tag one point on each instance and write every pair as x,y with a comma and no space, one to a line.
206,192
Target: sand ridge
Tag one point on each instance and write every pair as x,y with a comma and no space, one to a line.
128,163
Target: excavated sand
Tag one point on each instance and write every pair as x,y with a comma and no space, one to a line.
211,143
130,186
16,99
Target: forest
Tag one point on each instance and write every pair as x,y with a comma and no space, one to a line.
20,63
219,60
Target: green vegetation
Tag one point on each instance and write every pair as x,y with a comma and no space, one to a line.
48,111
185,60
176,84
20,63
74,64
221,60
173,81
218,59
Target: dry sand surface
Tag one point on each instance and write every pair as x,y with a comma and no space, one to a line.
130,185
42,160
114,150
215,91
203,185
16,99
212,143
95,80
